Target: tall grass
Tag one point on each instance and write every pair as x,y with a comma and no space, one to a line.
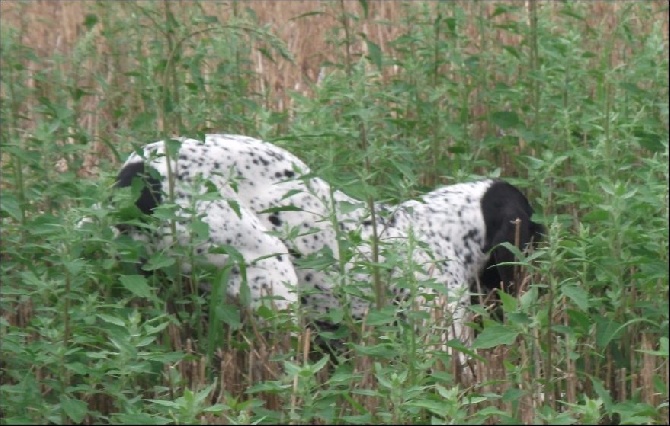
385,100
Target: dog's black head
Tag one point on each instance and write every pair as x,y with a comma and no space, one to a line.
501,206
150,197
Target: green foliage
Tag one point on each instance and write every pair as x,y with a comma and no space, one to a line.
89,338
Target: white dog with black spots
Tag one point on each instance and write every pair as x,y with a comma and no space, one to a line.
264,188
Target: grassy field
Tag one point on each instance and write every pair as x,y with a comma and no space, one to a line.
385,100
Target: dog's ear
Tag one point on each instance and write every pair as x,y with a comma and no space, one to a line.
497,274
150,196
503,205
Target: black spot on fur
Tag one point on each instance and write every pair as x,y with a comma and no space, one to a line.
274,219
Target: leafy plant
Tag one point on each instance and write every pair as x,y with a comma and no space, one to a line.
567,100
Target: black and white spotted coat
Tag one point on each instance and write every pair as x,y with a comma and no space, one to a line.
455,226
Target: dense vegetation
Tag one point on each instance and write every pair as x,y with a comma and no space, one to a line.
567,100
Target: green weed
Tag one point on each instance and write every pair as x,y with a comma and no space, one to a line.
573,108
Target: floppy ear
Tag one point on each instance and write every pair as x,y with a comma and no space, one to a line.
496,275
150,197
502,205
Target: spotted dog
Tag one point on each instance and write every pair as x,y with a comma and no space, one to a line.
275,213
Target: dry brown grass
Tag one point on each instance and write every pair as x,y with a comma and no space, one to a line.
305,38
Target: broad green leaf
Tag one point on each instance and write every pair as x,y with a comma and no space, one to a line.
602,393
136,284
229,314
236,207
495,335
75,409
505,119
90,20
112,320
509,302
577,294
10,204
375,54
606,331
158,261
439,408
